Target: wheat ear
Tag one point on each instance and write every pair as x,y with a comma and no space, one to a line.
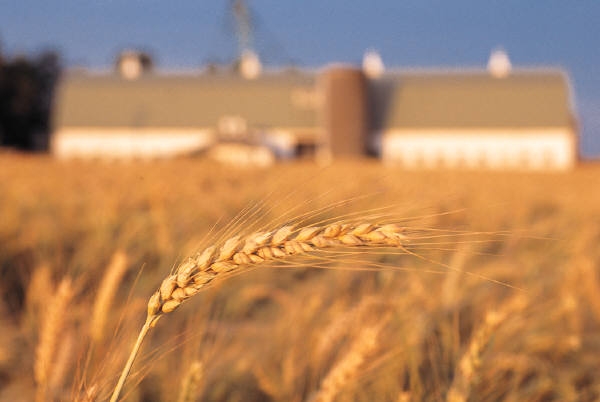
191,383
53,323
342,373
108,288
470,361
236,253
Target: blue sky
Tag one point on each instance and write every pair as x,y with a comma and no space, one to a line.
311,33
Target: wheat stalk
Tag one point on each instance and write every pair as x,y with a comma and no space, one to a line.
197,272
108,288
53,324
62,363
343,372
191,383
470,362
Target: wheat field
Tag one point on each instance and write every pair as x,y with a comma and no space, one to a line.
493,293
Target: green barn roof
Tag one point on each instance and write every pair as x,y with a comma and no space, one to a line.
475,99
182,100
397,100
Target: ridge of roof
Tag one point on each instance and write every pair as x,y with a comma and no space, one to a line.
466,70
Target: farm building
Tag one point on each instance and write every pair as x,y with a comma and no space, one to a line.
166,115
495,118
523,120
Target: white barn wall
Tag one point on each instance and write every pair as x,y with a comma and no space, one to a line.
126,143
530,149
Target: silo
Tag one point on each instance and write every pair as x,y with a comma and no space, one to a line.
345,111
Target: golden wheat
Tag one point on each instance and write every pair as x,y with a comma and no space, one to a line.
235,253
62,363
191,383
537,354
470,362
340,326
348,366
108,288
53,324
195,273
403,396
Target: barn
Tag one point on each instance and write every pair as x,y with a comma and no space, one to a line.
164,115
521,120
494,118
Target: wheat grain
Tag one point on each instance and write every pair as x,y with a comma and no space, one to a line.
235,253
195,273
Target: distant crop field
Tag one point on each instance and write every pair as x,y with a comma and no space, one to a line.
354,282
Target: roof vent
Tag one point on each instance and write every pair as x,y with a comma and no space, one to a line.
250,66
373,64
499,64
131,64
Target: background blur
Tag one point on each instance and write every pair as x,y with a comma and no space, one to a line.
310,34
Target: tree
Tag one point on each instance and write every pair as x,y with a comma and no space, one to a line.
26,93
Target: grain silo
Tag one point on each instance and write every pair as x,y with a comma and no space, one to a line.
345,111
